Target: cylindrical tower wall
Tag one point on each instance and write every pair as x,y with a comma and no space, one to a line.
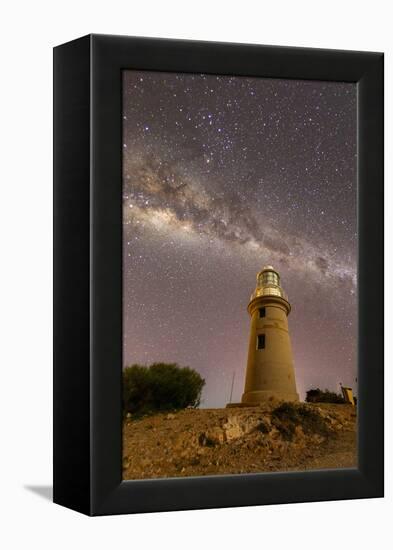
270,371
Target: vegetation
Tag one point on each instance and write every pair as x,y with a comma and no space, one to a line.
326,396
160,387
289,415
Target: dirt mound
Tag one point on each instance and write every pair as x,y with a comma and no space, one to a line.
272,437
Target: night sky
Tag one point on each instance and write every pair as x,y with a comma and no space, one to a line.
223,175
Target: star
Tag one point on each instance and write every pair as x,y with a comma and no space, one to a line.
221,176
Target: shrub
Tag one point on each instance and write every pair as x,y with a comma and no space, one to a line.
326,396
289,415
160,387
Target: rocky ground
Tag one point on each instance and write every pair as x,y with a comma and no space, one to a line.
269,438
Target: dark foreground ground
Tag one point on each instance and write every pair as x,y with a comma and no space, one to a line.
269,438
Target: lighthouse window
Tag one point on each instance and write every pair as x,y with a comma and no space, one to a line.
261,341
262,312
270,278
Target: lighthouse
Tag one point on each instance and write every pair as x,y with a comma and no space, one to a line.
270,371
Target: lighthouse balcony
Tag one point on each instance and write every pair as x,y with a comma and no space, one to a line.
269,291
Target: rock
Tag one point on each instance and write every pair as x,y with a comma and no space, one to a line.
317,438
275,433
237,426
299,433
205,442
212,437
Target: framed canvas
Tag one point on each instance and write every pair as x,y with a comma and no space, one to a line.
182,171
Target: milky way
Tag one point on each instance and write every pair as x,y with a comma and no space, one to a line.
223,175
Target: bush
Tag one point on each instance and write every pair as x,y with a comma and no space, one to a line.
160,387
289,415
327,396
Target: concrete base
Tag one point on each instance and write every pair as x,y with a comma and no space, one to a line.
242,405
256,397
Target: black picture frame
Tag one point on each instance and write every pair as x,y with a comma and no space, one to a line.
88,274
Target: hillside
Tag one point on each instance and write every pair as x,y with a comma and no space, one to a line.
272,437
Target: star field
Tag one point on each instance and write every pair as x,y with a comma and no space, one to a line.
223,175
